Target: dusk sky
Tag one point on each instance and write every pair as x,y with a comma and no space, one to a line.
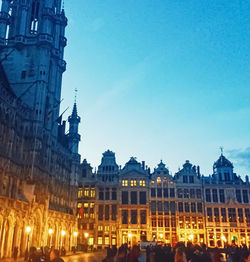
160,80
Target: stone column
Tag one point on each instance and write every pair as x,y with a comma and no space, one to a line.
3,236
10,239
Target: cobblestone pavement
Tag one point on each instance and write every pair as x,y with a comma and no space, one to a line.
86,257
81,257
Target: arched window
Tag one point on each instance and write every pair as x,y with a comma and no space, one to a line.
34,17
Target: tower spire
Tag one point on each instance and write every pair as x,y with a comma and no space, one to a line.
76,90
221,150
73,136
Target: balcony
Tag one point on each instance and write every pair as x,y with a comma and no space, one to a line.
45,39
48,12
19,40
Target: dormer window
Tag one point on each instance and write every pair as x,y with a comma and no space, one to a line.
142,183
158,180
185,179
191,179
124,183
133,182
227,176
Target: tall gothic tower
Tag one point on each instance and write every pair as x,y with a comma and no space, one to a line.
31,51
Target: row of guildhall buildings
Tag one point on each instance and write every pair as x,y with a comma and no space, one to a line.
131,204
49,198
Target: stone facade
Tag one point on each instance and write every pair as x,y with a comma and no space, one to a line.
133,204
39,163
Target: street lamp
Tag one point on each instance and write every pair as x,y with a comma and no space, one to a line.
86,234
50,236
191,237
62,235
27,230
75,239
130,237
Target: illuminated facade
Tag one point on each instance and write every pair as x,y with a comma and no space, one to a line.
132,204
39,163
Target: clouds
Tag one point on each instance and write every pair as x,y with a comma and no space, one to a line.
241,156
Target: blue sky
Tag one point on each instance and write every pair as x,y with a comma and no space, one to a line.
161,80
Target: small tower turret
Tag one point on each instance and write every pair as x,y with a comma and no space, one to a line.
73,136
223,169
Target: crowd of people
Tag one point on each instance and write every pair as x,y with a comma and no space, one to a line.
166,253
179,253
43,254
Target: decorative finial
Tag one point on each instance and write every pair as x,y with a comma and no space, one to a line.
63,4
221,150
75,94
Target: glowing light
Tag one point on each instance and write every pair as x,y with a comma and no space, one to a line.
86,234
223,238
191,237
51,231
63,232
28,229
75,234
129,235
161,235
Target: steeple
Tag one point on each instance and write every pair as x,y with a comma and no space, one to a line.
32,33
73,136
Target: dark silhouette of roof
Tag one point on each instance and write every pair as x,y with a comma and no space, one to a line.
223,162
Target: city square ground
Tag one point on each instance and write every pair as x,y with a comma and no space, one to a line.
80,257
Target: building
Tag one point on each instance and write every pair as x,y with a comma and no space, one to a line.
132,204
39,162
41,174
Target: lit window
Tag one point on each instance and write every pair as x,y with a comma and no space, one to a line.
86,192
100,228
91,205
85,215
92,192
86,205
113,242
106,240
142,183
152,182
124,182
113,228
164,180
79,205
158,180
80,192
133,182
92,215
106,228
99,240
